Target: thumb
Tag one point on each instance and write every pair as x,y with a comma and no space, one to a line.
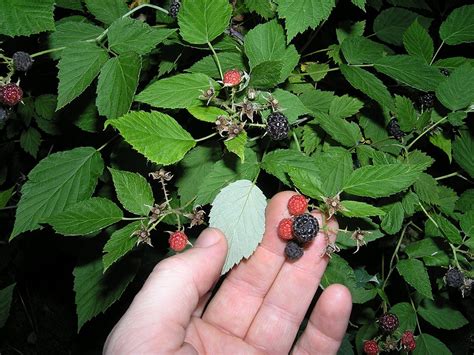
163,307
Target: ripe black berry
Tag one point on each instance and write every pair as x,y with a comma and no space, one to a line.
394,130
388,322
454,277
444,71
22,61
427,100
305,228
3,114
174,8
293,251
277,126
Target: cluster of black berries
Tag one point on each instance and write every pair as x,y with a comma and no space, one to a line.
455,278
277,126
394,130
174,8
22,61
426,101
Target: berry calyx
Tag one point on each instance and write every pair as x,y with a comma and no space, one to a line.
371,347
388,322
232,78
10,94
454,277
305,228
293,250
284,229
277,126
408,341
22,61
178,241
174,8
297,204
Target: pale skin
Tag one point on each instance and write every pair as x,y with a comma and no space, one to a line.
257,310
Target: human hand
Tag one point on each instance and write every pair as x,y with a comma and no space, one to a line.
258,308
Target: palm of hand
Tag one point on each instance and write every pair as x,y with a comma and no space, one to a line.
258,308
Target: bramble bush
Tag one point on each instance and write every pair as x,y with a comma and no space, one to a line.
121,122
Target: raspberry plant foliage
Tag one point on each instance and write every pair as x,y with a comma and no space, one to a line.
140,136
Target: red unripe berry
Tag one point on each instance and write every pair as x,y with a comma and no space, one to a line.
408,341
10,94
371,347
298,204
178,241
285,229
232,77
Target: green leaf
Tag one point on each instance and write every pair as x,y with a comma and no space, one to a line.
237,144
317,71
465,201
457,91
393,220
440,140
179,91
24,17
6,295
264,8
107,11
195,166
55,183
382,180
69,32
208,66
79,65
120,243
429,345
422,248
339,271
239,212
466,222
118,81
359,3
280,161
311,139
290,105
128,35
30,141
349,28
406,316
85,217
224,172
391,23
415,274
369,84
360,209
5,196
457,118
418,42
45,106
96,291
361,50
426,188
266,42
70,4
344,132
411,71
155,135
317,101
463,152
458,27
406,113
266,74
88,118
441,317
300,15
133,191
201,21
344,106
448,229
206,113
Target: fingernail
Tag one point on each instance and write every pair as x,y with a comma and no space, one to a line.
208,238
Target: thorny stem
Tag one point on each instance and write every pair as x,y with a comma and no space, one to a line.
216,58
428,215
167,201
426,131
437,51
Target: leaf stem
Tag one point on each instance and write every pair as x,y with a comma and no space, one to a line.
107,143
428,215
51,50
206,137
216,58
456,261
133,218
426,131
316,52
437,52
296,141
394,255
